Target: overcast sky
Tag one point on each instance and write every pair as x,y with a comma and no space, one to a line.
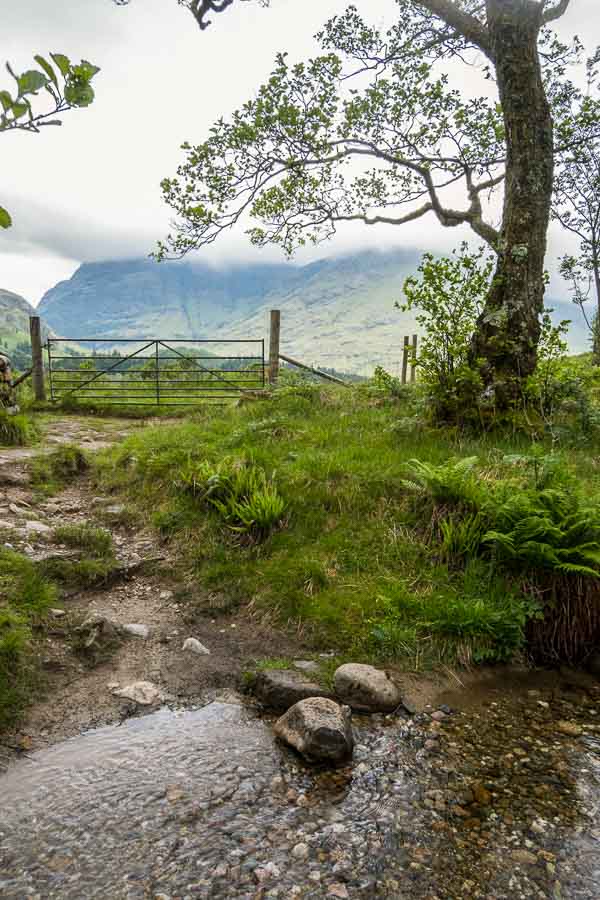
90,190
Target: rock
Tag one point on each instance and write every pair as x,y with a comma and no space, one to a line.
338,890
17,510
143,692
366,689
195,646
37,528
306,665
116,509
142,631
281,688
481,794
524,857
57,613
98,630
13,479
300,851
570,728
318,728
438,716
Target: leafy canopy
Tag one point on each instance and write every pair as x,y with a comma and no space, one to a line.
370,130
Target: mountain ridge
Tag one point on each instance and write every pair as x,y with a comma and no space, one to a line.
336,311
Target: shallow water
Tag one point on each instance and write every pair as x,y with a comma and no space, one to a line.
493,802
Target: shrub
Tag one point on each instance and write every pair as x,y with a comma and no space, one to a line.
449,298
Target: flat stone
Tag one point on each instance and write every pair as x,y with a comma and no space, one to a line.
570,728
142,631
366,689
194,646
116,509
37,528
143,692
281,688
17,510
318,728
306,665
13,479
57,613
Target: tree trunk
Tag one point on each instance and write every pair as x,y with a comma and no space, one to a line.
508,330
596,319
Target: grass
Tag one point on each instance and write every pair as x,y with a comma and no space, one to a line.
355,560
17,431
51,471
25,597
96,541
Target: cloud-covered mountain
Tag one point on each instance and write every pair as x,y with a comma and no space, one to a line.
336,312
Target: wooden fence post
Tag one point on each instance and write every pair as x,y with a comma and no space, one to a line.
35,331
413,361
274,346
405,359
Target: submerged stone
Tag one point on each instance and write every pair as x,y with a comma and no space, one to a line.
318,728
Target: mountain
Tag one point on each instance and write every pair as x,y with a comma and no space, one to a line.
337,312
14,327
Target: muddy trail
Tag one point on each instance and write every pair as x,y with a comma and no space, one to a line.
489,788
145,587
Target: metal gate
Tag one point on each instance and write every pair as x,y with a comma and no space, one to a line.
130,371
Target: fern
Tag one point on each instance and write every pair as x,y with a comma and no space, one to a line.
451,483
546,530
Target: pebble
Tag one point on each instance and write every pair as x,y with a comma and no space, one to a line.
57,613
194,646
142,631
300,851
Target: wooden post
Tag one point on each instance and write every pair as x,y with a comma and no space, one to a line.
405,359
274,346
413,361
39,389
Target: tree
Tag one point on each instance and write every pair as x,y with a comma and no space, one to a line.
577,197
67,85
372,131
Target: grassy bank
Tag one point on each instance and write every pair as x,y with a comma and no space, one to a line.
25,597
310,507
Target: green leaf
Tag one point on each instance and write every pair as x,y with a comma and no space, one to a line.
63,62
5,219
19,109
79,94
31,81
6,100
86,69
47,68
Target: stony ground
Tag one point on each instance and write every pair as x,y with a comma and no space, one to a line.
147,588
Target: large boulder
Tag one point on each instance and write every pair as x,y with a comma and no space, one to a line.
366,689
318,728
281,688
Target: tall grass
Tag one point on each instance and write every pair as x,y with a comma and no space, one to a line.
25,597
362,563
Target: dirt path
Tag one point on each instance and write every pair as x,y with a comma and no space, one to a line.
147,588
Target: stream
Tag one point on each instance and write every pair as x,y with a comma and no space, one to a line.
498,800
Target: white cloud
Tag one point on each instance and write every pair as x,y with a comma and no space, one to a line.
90,190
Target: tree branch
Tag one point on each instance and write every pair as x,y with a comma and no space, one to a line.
464,23
555,12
